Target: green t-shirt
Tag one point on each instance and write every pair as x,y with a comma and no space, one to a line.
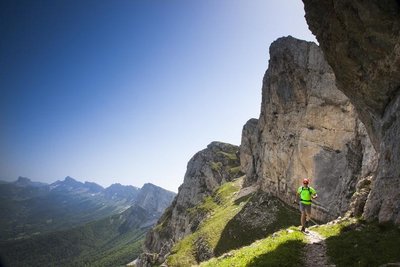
305,194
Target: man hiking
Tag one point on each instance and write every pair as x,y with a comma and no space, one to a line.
306,194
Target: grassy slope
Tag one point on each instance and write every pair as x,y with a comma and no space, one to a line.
283,248
223,209
100,243
183,253
356,243
349,243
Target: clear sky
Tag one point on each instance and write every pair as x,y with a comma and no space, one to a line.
128,91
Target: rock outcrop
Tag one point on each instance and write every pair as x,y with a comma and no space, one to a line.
361,41
307,128
248,147
206,171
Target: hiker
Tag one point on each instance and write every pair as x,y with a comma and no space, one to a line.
306,194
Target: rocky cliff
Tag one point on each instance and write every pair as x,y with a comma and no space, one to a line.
361,41
206,171
307,128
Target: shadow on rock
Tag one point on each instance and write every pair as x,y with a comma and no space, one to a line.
261,216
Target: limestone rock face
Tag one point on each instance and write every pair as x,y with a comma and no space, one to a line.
307,128
361,41
206,171
247,148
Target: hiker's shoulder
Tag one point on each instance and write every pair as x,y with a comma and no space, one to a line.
299,188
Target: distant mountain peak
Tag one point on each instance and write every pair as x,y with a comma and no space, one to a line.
93,187
24,181
69,179
149,185
68,183
154,198
120,186
115,185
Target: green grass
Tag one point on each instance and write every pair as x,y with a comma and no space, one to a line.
356,243
280,249
222,209
231,156
206,206
183,253
329,230
216,166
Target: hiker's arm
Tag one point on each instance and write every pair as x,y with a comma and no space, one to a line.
313,193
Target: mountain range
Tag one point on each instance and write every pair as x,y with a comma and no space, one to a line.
70,223
30,208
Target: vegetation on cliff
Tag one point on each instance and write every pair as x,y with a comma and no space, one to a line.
221,208
233,220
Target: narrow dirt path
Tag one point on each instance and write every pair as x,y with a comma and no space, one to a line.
315,251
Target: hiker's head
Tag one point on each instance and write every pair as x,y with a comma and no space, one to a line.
305,181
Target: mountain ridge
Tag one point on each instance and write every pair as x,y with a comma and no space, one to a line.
30,208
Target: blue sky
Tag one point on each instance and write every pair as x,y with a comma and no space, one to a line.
128,91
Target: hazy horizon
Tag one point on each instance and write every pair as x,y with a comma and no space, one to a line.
79,180
127,92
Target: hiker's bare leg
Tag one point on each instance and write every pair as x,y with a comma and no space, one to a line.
308,216
303,219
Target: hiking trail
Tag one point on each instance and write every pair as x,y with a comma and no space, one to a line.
315,251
